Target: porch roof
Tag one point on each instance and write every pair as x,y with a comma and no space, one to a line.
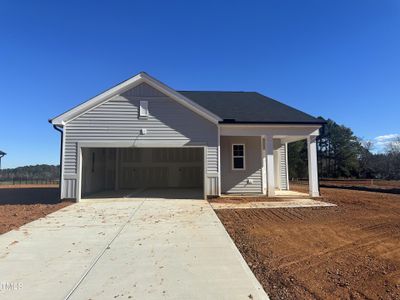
249,108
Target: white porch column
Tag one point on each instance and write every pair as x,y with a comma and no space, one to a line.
312,166
269,149
264,166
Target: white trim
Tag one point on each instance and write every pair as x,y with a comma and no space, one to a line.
244,157
288,125
78,183
62,185
283,132
287,166
81,145
68,116
219,163
205,177
263,167
312,166
269,149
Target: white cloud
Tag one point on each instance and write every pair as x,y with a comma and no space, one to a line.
387,137
380,142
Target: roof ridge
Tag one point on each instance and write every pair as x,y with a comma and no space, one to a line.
214,91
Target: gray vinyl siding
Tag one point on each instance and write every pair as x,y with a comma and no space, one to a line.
237,181
117,120
69,188
283,168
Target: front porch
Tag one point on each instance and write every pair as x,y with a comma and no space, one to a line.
254,159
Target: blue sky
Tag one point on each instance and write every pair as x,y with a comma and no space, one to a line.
338,59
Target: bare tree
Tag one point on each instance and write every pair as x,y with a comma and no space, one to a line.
394,146
368,145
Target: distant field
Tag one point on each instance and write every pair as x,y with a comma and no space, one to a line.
363,182
28,185
373,185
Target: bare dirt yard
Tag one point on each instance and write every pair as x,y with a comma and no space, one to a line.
24,204
351,251
371,185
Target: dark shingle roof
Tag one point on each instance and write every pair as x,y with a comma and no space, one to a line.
249,107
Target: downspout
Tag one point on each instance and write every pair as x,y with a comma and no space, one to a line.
61,150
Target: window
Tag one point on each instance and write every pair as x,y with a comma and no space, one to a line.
144,109
238,162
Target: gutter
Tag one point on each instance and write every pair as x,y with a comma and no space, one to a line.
233,121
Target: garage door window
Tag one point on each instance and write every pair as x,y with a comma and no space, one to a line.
238,159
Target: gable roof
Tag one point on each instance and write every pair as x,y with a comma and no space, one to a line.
218,107
142,77
249,107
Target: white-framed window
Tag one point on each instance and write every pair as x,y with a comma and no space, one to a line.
238,157
143,109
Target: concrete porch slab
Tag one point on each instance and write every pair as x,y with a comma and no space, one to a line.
284,194
278,194
287,203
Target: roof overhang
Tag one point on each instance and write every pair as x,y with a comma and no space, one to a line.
142,77
276,130
232,122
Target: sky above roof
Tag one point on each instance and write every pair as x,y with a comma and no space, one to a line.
337,59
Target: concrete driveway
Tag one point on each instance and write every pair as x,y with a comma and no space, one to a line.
137,248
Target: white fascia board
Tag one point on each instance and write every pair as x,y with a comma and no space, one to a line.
276,130
81,108
271,125
68,116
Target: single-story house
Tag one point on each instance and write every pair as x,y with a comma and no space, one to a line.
143,134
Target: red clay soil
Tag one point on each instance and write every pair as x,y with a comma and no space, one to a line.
351,251
12,216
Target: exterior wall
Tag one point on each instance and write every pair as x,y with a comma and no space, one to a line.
277,169
280,165
237,181
116,121
283,180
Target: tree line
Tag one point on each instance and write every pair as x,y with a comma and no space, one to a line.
341,154
36,172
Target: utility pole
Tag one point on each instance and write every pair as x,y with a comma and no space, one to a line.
1,155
